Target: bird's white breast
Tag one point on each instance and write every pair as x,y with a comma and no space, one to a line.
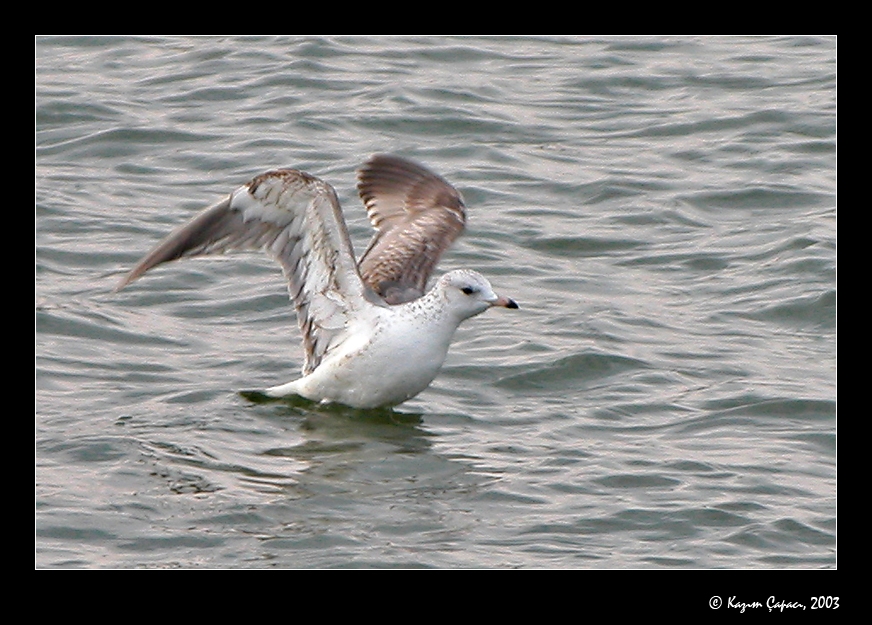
393,361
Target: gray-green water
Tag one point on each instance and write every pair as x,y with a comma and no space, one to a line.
663,209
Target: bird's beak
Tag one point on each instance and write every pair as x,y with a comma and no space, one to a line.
505,302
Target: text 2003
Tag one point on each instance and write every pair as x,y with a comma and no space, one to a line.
823,603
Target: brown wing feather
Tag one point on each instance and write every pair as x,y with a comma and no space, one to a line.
417,215
296,219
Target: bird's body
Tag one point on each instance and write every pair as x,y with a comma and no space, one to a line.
372,336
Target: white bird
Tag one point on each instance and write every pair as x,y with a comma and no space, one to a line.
372,336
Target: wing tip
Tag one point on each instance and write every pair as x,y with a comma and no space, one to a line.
400,180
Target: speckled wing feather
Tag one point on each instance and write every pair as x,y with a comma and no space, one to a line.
297,220
416,214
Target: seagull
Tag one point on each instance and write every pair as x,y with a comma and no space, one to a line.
373,335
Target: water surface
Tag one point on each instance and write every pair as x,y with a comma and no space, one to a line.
663,209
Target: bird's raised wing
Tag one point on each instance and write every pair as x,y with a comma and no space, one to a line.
297,220
416,214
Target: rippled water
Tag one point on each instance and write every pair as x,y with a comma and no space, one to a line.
663,209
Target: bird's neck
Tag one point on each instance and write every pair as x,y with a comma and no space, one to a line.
434,309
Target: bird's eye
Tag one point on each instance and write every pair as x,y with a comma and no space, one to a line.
468,290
